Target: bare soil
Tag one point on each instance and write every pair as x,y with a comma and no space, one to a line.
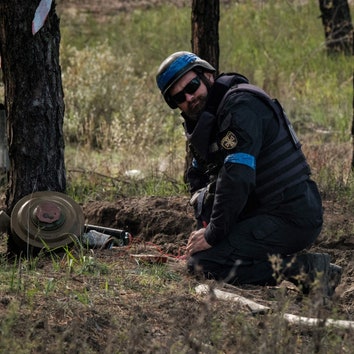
110,301
172,318
166,222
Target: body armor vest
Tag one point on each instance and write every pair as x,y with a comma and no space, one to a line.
281,164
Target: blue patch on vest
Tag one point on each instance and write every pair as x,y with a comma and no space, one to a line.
242,159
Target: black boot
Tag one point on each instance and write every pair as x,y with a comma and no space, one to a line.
312,270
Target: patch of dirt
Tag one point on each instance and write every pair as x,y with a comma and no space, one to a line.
166,222
103,304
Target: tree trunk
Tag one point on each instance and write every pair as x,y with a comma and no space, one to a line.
205,39
205,30
33,100
353,127
337,25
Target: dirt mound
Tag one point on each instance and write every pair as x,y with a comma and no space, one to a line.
166,222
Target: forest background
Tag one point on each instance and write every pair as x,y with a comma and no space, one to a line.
125,153
113,106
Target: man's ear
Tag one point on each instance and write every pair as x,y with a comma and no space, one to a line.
209,76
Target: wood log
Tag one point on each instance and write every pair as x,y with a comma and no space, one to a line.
256,308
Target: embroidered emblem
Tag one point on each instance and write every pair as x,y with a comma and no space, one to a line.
229,141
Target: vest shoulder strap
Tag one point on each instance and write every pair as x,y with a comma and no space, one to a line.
272,102
258,92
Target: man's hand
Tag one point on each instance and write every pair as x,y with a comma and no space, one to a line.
197,242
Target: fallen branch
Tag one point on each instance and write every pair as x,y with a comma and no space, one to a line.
224,295
329,322
256,308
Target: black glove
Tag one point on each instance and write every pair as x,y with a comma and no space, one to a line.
202,202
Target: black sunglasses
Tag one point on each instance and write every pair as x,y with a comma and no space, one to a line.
190,88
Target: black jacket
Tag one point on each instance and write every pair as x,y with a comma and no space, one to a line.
242,142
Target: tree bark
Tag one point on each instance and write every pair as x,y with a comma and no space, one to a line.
353,126
338,29
33,100
337,25
205,30
205,41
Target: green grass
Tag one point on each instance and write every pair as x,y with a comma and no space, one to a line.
281,48
116,117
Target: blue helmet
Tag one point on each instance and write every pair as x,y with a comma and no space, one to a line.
174,67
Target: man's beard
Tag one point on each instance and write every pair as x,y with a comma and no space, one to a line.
196,107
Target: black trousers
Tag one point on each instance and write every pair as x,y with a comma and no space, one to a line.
244,256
